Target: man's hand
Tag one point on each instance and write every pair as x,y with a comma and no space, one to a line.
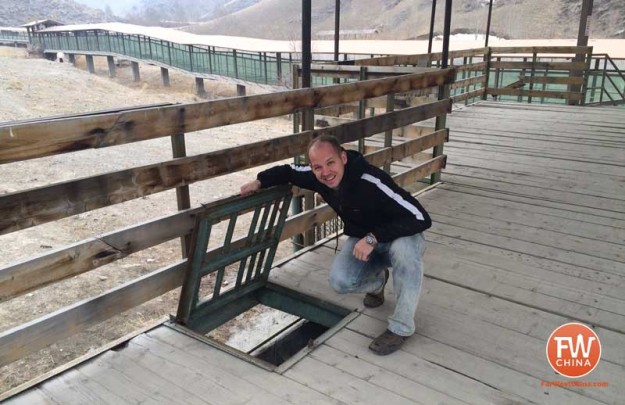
362,250
250,187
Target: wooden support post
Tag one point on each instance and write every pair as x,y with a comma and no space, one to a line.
297,202
388,135
199,87
487,56
594,80
179,149
360,113
279,68
544,88
587,76
241,90
532,75
111,62
135,71
465,88
582,40
72,58
90,65
520,97
165,76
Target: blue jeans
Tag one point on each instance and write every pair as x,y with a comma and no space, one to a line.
404,255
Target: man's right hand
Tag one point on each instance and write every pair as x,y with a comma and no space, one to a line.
250,187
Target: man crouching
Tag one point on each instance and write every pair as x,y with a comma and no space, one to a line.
384,225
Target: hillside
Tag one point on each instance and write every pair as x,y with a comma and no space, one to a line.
404,19
391,19
17,12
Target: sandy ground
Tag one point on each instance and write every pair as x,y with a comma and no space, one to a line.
31,88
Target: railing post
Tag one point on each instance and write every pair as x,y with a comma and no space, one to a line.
520,96
362,104
532,74
179,149
586,75
388,135
111,64
279,67
486,73
234,58
296,202
594,80
605,66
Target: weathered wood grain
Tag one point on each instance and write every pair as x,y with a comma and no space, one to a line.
27,141
32,207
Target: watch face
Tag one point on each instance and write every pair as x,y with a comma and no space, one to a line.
369,239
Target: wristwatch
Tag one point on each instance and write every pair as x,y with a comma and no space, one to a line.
370,239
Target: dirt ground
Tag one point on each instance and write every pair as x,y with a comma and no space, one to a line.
34,87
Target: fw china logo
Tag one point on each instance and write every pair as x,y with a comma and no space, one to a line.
573,350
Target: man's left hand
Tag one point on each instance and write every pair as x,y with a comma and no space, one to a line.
362,250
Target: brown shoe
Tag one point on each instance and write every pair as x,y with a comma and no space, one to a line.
387,343
375,300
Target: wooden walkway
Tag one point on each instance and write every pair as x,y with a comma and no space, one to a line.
529,234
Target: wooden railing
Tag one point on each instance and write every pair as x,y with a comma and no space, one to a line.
31,207
523,74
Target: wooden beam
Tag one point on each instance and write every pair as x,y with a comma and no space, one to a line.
28,208
468,82
553,80
27,141
534,93
468,95
539,65
92,253
539,49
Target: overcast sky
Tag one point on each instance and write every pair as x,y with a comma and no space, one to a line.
119,7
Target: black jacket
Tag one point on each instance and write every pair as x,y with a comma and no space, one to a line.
367,200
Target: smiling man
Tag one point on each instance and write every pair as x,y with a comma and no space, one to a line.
384,225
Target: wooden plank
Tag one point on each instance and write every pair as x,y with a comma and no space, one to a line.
556,210
468,95
207,357
421,371
340,385
468,82
109,373
21,340
539,49
608,266
36,206
437,348
539,65
505,227
20,142
553,80
473,67
408,131
534,93
528,259
74,387
450,200
196,379
532,292
31,397
550,285
381,375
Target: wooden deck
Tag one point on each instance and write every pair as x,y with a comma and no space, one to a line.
529,234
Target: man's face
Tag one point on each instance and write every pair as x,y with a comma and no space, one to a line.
327,164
